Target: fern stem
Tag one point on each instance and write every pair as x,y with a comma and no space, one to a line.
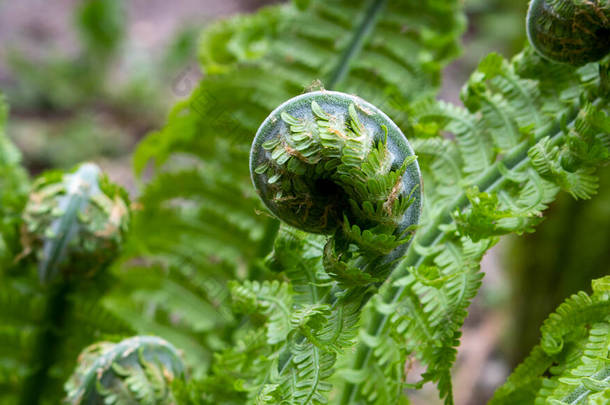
364,28
272,227
266,244
489,180
47,346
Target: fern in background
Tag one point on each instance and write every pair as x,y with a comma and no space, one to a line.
69,82
13,193
13,189
53,243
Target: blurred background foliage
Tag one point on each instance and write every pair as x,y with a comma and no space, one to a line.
97,85
94,99
92,90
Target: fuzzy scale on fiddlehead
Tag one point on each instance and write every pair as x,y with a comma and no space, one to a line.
570,31
331,163
136,370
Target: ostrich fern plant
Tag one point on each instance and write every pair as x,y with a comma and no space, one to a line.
268,313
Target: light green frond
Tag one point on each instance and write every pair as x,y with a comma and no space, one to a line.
572,363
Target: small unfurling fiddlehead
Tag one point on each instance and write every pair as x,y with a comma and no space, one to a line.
74,223
331,163
570,31
138,370
72,226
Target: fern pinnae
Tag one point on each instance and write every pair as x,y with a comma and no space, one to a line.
272,299
578,348
463,125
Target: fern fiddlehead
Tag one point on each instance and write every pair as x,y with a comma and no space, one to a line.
326,158
73,225
136,370
570,31
331,163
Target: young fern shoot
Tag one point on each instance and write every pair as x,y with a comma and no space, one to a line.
330,163
138,370
73,226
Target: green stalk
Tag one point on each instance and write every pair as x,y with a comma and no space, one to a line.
48,343
265,246
355,46
56,238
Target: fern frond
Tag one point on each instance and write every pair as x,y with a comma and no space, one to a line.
14,186
531,158
307,381
572,363
272,300
299,256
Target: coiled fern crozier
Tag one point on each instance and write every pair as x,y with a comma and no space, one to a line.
575,32
377,257
71,227
136,370
325,159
